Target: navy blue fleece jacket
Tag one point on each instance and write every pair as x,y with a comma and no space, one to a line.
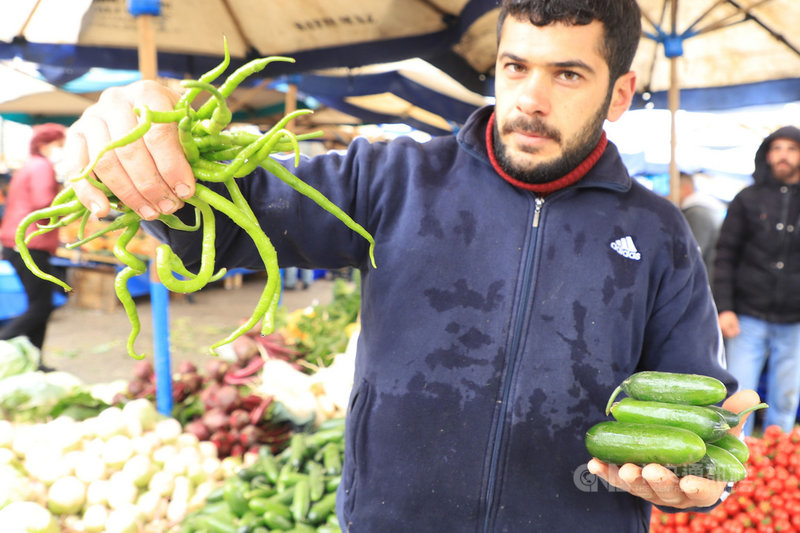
493,329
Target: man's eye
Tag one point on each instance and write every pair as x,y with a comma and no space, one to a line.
515,67
569,75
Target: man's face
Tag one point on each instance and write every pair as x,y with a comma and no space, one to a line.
552,97
783,157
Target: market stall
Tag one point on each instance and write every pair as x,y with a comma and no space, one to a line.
258,430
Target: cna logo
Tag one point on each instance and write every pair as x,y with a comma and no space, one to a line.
626,248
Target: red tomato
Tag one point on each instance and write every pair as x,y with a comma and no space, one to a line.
780,515
772,432
745,487
791,483
775,485
762,493
718,513
792,507
731,505
766,472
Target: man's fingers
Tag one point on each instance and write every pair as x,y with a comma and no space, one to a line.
150,173
109,168
608,472
664,483
702,492
76,158
739,402
632,475
164,147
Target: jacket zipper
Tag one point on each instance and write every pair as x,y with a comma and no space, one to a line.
527,284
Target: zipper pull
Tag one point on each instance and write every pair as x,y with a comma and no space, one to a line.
537,211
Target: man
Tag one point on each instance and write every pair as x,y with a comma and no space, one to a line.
757,277
704,214
521,275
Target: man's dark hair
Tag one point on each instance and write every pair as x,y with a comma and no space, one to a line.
621,19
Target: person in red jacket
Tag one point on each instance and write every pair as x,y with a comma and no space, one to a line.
33,187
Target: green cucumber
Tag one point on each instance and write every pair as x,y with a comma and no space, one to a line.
276,522
233,493
263,505
316,480
320,511
626,442
718,464
699,468
735,446
301,501
707,424
332,459
691,389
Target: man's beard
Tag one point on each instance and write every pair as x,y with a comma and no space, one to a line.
786,173
574,152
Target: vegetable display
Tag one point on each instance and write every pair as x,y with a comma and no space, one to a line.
668,419
766,501
126,469
217,406
292,491
206,146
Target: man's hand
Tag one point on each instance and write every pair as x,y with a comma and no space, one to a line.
660,485
150,175
729,324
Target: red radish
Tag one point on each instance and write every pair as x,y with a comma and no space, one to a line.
215,419
227,398
198,429
239,418
187,367
143,370
250,435
216,369
245,348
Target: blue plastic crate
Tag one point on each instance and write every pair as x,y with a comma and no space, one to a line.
13,300
9,282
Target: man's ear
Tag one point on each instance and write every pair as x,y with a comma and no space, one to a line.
621,96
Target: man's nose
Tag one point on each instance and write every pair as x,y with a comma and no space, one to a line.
535,94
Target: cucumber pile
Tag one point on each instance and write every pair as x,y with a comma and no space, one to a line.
294,491
670,419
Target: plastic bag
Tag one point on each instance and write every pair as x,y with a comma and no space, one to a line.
17,356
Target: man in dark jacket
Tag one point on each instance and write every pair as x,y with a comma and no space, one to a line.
521,275
757,277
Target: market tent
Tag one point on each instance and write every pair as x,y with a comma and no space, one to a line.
188,35
750,47
728,53
413,92
24,97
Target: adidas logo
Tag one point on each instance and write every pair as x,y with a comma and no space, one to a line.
626,248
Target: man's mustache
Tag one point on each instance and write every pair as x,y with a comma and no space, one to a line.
533,126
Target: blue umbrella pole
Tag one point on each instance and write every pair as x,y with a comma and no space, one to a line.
159,303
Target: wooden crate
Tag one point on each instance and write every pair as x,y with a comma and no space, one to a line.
93,288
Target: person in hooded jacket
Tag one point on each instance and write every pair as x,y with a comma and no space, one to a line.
704,213
757,278
33,186
521,276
